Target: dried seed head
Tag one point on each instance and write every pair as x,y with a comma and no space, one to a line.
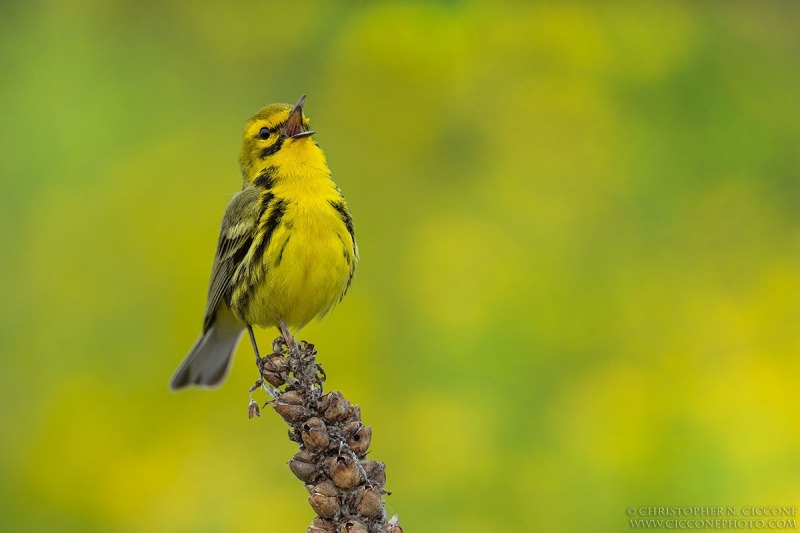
392,528
252,409
273,369
290,406
369,502
376,473
353,526
276,363
303,466
303,471
291,413
324,499
276,380
321,525
305,456
324,505
344,472
326,488
355,414
358,437
292,397
334,407
315,434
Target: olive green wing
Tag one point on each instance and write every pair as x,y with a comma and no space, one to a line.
236,235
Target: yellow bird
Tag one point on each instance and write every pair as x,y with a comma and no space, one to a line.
287,249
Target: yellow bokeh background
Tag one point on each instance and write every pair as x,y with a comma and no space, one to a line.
579,227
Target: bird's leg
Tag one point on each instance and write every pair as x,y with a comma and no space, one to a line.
291,342
262,365
253,340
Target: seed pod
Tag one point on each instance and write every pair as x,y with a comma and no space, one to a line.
303,465
368,502
334,407
273,369
321,525
327,488
292,397
355,414
358,437
253,410
315,434
305,456
344,472
353,526
277,363
324,499
376,473
290,406
291,413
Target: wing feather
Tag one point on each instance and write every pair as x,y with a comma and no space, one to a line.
236,235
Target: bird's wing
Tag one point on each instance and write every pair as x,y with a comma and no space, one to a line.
236,235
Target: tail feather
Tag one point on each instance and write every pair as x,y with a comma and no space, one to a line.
209,359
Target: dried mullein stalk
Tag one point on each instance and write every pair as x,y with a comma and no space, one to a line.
346,490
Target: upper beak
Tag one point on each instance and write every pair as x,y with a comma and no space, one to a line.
294,127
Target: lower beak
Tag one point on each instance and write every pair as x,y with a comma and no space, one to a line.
295,127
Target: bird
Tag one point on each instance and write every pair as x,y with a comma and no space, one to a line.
286,252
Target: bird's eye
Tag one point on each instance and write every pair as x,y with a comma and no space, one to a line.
264,133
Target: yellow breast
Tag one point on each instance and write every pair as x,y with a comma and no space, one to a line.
307,267
310,256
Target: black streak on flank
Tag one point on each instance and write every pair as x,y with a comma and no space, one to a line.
346,218
271,149
348,222
280,254
266,178
266,201
344,250
240,254
272,222
244,301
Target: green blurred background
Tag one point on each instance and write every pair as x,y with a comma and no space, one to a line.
580,278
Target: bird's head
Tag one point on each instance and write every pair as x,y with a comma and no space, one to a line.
278,136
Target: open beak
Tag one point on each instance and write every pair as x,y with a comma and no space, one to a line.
294,127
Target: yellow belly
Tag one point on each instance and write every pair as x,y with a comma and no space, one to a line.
306,270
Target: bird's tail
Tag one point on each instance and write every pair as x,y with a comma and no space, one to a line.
209,359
